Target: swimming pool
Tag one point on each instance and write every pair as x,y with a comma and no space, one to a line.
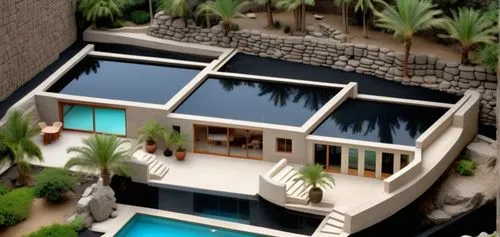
121,80
150,226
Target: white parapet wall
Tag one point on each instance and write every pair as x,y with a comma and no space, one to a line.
271,190
436,157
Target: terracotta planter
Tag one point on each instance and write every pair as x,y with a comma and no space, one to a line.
180,155
150,148
315,195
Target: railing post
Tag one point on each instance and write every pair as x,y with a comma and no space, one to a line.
361,162
344,160
378,165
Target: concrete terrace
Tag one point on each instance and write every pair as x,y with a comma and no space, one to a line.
222,175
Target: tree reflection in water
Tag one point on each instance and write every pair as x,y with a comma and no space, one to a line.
379,122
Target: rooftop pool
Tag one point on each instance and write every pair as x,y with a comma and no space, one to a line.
150,226
121,80
256,101
379,122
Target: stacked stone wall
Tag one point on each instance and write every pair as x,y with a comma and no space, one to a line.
425,70
32,35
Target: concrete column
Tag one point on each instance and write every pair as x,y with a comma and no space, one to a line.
361,162
378,165
397,161
344,160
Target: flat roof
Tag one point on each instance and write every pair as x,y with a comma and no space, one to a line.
256,101
379,122
370,85
124,80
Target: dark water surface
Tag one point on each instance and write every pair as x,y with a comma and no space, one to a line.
120,80
255,65
379,122
256,101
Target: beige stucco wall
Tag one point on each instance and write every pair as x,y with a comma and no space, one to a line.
32,35
298,154
136,115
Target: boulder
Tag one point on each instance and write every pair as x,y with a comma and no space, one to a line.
102,203
438,216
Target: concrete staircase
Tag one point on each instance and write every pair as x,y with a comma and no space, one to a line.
332,226
296,191
157,170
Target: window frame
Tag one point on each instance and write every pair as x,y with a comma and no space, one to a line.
93,106
285,142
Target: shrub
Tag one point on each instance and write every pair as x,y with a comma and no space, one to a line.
117,23
4,189
15,206
466,167
277,24
52,183
287,29
59,230
139,17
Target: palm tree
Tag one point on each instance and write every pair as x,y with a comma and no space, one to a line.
101,12
470,27
175,8
314,176
344,4
269,9
299,9
16,136
407,18
224,9
106,153
364,5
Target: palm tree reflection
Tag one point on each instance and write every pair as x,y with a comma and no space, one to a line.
281,94
356,116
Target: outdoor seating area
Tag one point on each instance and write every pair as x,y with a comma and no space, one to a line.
50,133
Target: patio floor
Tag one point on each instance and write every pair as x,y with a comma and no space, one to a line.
216,174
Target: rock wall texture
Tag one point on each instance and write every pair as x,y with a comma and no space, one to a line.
32,35
329,50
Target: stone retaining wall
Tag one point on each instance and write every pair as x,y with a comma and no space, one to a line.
32,35
425,70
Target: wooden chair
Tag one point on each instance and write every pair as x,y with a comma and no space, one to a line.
59,126
42,125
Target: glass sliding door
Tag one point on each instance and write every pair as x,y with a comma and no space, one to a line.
370,163
110,121
89,118
78,117
320,156
387,164
241,143
329,156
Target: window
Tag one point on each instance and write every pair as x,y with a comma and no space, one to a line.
353,158
94,119
284,145
176,128
405,160
387,164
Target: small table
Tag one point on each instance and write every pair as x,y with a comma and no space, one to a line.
49,134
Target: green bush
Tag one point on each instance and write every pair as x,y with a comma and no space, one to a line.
277,24
59,230
287,29
15,206
4,189
52,183
117,23
139,17
466,167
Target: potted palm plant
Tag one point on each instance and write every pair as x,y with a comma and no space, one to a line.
315,176
167,138
150,132
178,139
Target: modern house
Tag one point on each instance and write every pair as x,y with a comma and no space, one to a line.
404,142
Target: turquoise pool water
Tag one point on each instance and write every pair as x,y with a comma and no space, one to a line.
150,226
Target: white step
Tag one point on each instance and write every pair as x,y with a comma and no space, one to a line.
291,182
160,170
277,177
153,168
335,223
331,229
295,187
337,216
297,200
289,177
